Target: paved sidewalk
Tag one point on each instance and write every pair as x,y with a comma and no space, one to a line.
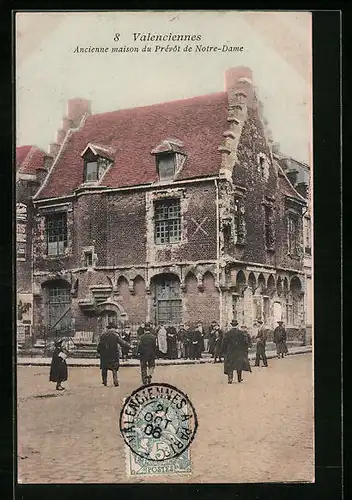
27,361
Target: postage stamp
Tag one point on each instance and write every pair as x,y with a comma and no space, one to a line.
158,423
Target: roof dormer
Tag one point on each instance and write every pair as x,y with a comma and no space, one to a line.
97,159
170,157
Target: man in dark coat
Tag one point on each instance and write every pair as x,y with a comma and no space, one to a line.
218,344
195,338
280,337
235,352
261,342
212,338
108,349
58,367
147,351
171,338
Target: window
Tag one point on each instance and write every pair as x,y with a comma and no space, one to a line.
91,171
166,165
88,259
56,233
94,170
168,300
293,234
59,308
269,227
307,236
240,228
167,221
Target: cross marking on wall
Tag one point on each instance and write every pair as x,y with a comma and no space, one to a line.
199,226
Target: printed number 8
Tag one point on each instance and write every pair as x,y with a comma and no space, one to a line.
152,431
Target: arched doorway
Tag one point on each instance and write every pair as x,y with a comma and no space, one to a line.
110,311
167,299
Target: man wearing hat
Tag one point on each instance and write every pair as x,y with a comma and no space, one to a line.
147,351
280,337
58,367
235,347
261,342
108,349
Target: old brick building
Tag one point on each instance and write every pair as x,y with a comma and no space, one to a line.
176,211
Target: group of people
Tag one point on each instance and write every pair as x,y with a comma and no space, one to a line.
189,342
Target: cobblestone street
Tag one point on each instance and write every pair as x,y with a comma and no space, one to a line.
257,431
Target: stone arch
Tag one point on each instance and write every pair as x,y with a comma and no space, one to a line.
122,285
295,285
139,285
59,281
240,281
261,283
191,282
252,282
208,280
271,284
110,310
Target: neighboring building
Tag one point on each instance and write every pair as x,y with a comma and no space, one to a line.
177,211
299,175
31,168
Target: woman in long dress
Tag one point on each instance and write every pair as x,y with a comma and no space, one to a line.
58,367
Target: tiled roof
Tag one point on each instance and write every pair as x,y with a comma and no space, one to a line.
28,159
133,133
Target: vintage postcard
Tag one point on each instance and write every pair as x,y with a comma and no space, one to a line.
164,261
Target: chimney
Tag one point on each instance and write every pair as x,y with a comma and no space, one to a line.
76,108
239,86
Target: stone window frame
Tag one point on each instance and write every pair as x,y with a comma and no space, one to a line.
297,251
171,202
151,197
43,213
269,211
86,251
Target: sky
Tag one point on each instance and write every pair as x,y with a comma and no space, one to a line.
277,47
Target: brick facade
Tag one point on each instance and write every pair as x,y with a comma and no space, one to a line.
230,254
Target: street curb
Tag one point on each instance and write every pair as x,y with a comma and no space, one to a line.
76,362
